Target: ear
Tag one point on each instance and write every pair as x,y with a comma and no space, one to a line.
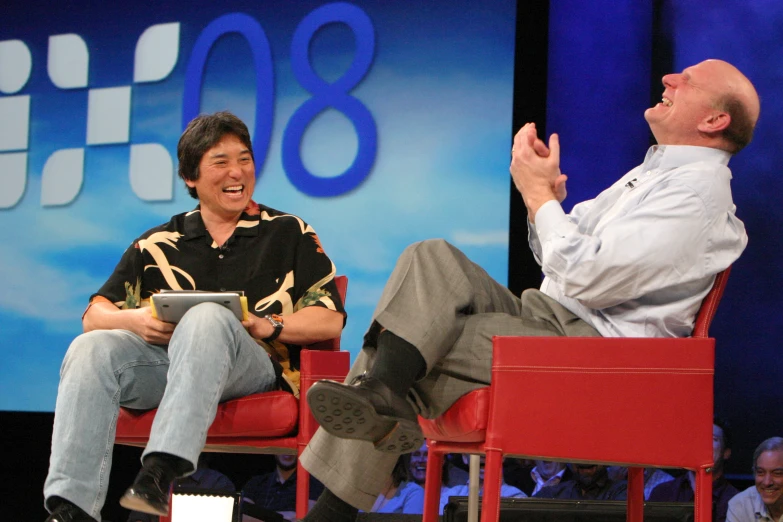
715,122
727,454
190,183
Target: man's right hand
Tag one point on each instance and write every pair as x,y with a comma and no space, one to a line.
149,328
104,315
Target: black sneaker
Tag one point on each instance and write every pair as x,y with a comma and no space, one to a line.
149,493
367,410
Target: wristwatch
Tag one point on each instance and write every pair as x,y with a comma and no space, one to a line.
277,323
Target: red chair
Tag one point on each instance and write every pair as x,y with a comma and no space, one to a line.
626,401
272,422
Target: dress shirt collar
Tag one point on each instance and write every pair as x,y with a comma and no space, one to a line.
672,156
246,226
759,508
541,482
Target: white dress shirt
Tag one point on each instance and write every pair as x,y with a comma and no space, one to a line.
638,260
747,506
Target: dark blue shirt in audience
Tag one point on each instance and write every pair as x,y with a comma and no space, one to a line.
603,490
680,490
268,492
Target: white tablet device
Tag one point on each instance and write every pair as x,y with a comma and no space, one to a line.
171,305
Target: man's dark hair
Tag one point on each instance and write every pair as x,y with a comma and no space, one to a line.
740,129
202,133
725,427
771,444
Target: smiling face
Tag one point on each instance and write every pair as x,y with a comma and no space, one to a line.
769,479
227,177
688,101
698,105
418,465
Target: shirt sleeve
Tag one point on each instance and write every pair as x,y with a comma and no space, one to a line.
532,234
123,288
314,275
621,261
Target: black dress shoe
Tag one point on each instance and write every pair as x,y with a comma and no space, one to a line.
67,512
367,410
149,493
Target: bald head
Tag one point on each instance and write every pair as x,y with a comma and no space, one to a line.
740,101
710,104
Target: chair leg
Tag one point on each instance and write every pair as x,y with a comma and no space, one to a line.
474,479
302,490
432,485
635,500
493,477
702,503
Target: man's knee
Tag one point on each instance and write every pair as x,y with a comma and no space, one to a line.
206,326
90,351
206,316
429,249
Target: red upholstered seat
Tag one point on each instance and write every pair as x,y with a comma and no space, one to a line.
270,422
235,419
465,421
634,402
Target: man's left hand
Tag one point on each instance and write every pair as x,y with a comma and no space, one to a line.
535,169
258,327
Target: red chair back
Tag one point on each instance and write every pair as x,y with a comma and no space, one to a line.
710,305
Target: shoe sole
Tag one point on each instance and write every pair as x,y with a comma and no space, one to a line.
134,503
344,414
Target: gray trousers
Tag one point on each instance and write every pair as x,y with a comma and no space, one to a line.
449,308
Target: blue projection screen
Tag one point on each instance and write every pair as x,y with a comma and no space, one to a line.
379,123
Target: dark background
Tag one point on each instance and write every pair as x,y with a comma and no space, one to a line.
587,70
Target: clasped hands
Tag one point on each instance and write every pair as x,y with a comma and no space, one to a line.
535,169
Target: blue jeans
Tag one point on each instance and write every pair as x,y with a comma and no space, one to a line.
210,358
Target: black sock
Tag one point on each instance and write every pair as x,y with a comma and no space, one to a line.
331,508
398,364
174,465
56,503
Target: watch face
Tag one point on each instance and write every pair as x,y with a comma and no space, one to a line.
275,319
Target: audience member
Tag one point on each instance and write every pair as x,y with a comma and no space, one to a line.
462,490
547,473
401,495
762,502
682,488
276,490
653,477
636,261
532,475
451,475
418,464
590,481
128,357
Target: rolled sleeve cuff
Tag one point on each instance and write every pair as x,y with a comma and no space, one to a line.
551,221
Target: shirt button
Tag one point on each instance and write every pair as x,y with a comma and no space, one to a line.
220,256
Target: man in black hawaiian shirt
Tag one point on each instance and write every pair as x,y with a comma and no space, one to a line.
126,357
